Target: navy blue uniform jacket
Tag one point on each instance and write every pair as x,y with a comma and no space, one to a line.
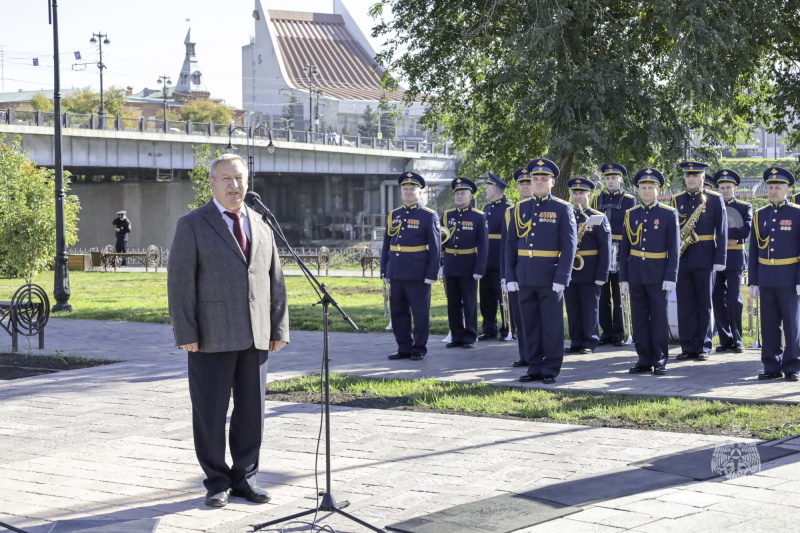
495,218
649,230
711,228
736,256
596,243
414,228
775,246
466,250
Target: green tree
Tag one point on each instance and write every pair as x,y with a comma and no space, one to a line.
287,113
368,125
39,102
87,102
199,174
206,111
28,214
584,81
388,121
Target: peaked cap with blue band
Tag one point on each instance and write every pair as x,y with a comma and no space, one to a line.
464,184
692,166
708,179
580,184
727,175
649,175
778,175
411,178
543,166
613,168
522,174
497,182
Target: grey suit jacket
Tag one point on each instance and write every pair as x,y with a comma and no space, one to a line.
215,298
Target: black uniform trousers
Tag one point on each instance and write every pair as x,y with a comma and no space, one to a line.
728,306
122,246
212,376
516,318
582,301
694,309
611,310
542,310
462,308
410,299
780,310
491,297
650,326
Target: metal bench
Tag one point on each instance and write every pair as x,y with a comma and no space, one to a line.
369,260
26,314
322,258
109,257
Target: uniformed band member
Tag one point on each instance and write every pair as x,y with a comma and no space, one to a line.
709,183
540,249
410,262
525,190
774,276
613,202
727,295
490,287
648,270
582,296
704,210
464,263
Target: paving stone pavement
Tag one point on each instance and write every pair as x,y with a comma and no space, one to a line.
115,441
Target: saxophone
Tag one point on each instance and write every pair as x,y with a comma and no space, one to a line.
577,263
688,235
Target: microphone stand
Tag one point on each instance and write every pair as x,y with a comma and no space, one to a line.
328,503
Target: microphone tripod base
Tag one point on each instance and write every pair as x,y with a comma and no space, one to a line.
327,505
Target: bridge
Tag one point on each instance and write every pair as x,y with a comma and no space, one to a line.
322,187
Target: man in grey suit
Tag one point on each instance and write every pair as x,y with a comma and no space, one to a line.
227,302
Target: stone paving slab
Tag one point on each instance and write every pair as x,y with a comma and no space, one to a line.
114,442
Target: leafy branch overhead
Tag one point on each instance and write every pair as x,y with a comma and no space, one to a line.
587,81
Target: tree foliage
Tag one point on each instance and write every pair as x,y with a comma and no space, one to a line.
39,102
368,125
584,81
287,113
87,102
203,156
28,215
206,111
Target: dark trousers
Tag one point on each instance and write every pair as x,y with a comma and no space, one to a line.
611,310
491,299
410,299
780,310
694,309
582,301
212,377
728,305
650,326
122,246
516,318
542,311
462,308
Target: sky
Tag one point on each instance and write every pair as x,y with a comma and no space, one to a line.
146,41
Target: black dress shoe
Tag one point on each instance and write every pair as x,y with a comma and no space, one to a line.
454,344
703,356
467,345
770,375
640,369
527,378
217,499
584,351
486,337
683,356
252,494
603,342
659,371
619,343
724,348
400,355
417,357
548,380
573,349
738,349
518,364
793,376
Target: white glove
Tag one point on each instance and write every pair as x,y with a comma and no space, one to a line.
624,288
385,279
512,286
797,289
668,286
557,287
476,276
719,268
441,271
503,284
754,292
599,282
430,281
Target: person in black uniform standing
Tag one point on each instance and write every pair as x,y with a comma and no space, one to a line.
410,263
122,228
774,272
727,295
491,295
525,189
582,296
704,252
613,202
464,263
540,248
648,270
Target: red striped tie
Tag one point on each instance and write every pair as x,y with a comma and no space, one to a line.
238,232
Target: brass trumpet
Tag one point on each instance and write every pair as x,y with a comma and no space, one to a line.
446,234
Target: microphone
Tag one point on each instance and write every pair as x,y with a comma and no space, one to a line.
253,199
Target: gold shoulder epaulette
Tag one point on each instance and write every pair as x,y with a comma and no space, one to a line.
665,206
428,209
626,195
448,210
592,211
560,200
678,194
713,193
478,211
793,205
633,208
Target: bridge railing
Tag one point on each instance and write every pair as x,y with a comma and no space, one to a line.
180,127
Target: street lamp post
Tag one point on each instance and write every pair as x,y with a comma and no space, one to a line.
164,79
251,133
96,40
311,75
